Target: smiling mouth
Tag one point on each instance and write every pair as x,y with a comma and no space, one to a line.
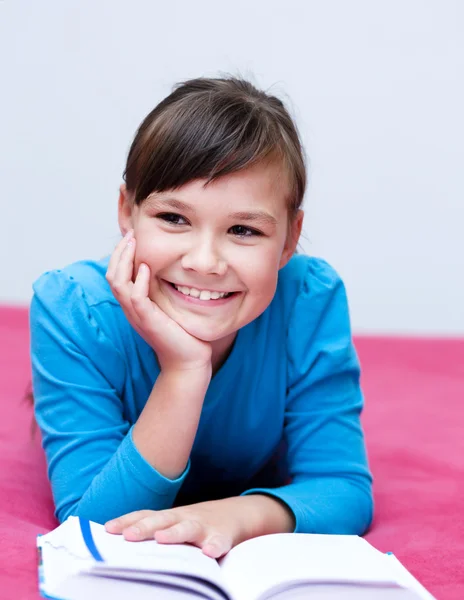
204,296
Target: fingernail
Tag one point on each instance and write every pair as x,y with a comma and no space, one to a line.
129,234
135,531
213,551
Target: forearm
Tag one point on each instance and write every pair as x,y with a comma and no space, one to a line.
166,429
127,482
326,504
147,468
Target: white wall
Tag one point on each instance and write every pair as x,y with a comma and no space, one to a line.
376,88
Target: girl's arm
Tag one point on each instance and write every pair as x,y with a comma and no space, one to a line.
99,466
215,526
171,417
331,488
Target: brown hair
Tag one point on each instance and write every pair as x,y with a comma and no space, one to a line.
207,128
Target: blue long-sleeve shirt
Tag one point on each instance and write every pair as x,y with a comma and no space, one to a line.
280,417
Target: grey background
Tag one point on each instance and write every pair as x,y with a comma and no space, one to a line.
376,89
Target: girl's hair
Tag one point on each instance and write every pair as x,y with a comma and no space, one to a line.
207,128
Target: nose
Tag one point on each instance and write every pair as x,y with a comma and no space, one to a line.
204,258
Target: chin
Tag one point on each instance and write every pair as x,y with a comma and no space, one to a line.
203,333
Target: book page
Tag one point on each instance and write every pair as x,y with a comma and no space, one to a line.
151,556
65,553
344,591
257,565
62,554
162,581
89,587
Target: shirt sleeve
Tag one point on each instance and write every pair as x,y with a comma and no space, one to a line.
331,485
94,467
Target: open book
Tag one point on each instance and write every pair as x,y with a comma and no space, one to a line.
80,560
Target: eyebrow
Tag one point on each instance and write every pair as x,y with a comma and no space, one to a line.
258,216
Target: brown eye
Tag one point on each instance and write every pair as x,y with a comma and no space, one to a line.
241,231
172,218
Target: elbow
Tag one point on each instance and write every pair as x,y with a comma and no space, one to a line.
336,506
353,511
359,513
365,512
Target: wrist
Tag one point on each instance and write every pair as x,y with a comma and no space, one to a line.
194,370
198,373
261,514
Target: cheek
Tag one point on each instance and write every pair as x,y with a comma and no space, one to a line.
261,287
260,271
153,251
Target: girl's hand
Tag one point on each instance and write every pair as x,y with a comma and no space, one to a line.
175,348
213,526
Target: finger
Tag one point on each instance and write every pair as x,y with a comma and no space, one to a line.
122,283
117,525
150,316
141,303
186,531
216,546
116,255
145,528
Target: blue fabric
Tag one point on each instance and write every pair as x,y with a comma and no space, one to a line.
280,417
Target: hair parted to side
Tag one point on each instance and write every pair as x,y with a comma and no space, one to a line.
207,128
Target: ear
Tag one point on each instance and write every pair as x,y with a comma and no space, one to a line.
293,235
125,208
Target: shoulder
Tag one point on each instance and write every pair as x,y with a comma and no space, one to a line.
318,317
307,280
84,280
75,303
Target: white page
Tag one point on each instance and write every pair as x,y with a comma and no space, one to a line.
89,587
151,556
337,591
64,553
258,564
191,584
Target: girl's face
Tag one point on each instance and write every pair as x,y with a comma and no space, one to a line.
231,236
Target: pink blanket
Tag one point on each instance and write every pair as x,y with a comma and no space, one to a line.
414,423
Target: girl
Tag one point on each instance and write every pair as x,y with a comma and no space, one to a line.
200,385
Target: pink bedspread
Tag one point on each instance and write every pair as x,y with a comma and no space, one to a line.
414,423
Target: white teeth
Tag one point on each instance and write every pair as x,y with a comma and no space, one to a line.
201,294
